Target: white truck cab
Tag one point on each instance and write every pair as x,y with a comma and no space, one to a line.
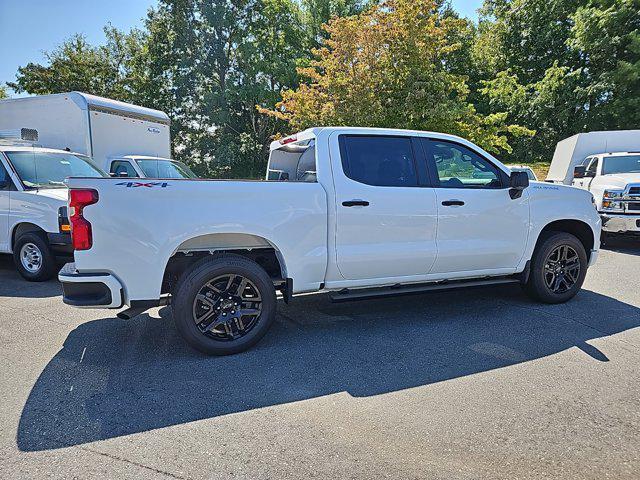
607,164
34,224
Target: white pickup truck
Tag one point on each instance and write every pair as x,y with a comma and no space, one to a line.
604,163
358,212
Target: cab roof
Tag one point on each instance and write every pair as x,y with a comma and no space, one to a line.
28,148
315,131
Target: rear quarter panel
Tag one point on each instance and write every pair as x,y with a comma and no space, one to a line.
137,228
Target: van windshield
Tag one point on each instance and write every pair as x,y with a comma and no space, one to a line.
621,164
154,168
50,169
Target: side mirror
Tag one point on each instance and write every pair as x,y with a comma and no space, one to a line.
518,181
579,171
3,184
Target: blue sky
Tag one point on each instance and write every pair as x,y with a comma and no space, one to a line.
29,27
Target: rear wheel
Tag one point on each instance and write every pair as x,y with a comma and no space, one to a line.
224,305
33,258
558,268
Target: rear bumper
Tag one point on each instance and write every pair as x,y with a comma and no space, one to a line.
620,223
90,290
60,244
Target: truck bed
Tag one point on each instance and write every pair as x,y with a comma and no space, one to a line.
290,217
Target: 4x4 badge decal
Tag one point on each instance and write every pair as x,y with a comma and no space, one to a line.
143,184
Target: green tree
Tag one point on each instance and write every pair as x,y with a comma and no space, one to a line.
559,67
75,65
218,60
389,67
317,13
3,92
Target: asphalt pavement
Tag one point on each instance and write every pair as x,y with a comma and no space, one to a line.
462,385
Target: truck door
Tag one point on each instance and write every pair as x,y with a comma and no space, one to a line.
591,166
480,227
5,188
385,211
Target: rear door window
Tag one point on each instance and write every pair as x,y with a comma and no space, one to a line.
383,161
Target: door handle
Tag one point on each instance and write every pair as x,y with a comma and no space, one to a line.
453,203
355,203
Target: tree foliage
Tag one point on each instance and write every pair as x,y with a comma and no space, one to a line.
393,66
555,67
77,65
560,67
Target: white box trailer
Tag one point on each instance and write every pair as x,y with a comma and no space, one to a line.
572,151
101,128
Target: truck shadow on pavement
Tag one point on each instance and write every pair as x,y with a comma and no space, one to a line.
115,377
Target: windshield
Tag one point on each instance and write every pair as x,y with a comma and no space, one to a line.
165,169
50,169
621,164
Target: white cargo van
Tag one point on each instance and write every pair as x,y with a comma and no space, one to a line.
34,224
122,139
607,164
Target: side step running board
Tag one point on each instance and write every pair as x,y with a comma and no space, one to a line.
395,290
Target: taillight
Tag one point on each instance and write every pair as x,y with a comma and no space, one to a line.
289,139
80,226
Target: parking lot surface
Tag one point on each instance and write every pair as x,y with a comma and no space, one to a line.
467,384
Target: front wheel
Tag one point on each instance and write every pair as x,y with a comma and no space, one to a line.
33,258
224,305
558,268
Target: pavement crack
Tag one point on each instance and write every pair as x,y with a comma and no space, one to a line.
131,462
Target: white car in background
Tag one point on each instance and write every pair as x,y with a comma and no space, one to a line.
524,168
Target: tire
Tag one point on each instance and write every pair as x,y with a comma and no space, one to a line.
33,258
200,290
547,268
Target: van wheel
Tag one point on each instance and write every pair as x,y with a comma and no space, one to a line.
33,258
224,304
558,268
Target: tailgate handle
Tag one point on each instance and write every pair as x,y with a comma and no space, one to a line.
355,203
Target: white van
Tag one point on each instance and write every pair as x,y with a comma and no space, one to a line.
34,224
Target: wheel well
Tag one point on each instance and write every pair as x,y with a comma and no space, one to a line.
579,229
180,262
23,228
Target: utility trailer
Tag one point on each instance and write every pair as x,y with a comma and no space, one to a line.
121,138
